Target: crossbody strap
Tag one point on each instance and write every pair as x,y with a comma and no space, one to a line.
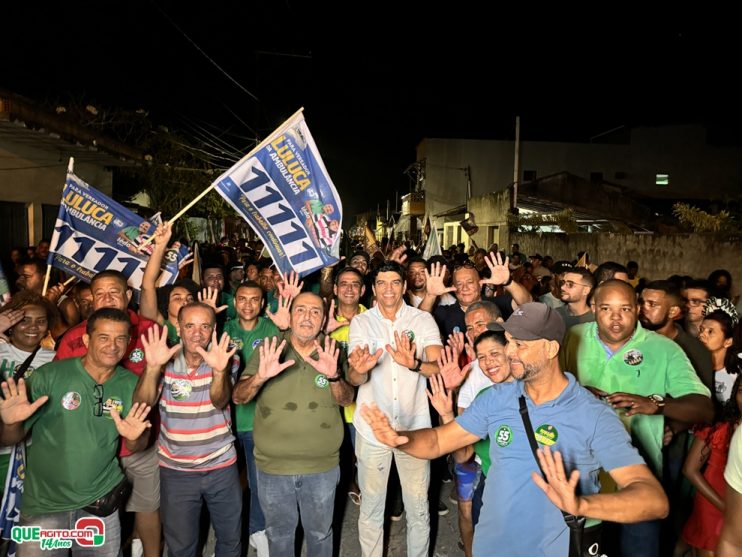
575,523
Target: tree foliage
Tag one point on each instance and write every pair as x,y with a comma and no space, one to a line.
532,222
701,221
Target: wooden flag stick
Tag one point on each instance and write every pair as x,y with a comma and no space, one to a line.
70,170
214,184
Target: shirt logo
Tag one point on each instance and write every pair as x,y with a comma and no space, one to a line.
181,389
410,334
546,434
633,357
113,402
255,343
136,356
321,381
71,401
504,436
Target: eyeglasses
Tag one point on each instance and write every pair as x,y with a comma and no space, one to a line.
570,283
98,394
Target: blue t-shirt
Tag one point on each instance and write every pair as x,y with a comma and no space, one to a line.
516,514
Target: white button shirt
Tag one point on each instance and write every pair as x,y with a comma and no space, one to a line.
397,391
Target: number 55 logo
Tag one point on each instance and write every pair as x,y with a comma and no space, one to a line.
98,528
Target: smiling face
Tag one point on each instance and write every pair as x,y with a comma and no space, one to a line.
466,282
196,327
28,333
349,288
389,288
248,301
493,360
107,343
110,292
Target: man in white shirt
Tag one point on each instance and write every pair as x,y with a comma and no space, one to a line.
393,347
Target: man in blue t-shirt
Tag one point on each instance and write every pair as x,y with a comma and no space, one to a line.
577,435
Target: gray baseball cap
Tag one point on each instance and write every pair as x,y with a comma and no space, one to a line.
534,321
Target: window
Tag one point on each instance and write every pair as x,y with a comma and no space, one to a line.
596,177
529,175
662,179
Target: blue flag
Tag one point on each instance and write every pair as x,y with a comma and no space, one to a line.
285,194
10,510
94,233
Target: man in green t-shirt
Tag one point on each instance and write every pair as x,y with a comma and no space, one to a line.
646,377
76,423
247,332
298,429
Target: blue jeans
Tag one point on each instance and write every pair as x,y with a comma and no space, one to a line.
182,495
641,539
256,521
313,495
67,520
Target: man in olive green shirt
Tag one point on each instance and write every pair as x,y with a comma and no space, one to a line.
298,429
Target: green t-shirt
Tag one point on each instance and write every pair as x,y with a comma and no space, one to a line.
73,458
228,299
172,333
246,342
647,364
298,429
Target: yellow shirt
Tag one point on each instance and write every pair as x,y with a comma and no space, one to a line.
341,335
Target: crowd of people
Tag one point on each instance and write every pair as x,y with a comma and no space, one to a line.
580,409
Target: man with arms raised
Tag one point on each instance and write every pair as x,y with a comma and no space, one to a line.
583,432
393,347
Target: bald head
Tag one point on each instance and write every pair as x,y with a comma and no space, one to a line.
613,285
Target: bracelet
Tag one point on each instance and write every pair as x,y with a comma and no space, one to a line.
418,365
335,379
509,282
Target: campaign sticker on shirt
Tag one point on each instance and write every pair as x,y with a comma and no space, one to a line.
456,329
136,356
181,389
410,334
546,434
633,357
113,402
255,343
321,381
504,436
71,401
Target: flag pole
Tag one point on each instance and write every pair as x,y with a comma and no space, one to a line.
214,184
70,170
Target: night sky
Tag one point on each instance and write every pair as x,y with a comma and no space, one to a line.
383,78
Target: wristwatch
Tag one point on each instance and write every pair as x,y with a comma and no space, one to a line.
338,377
418,365
659,402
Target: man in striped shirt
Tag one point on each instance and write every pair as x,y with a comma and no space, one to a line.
196,446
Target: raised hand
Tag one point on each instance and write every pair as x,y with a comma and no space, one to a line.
219,356
399,254
282,317
404,354
440,398
10,318
290,286
381,427
559,489
135,423
270,355
332,323
448,365
434,280
456,342
54,293
361,359
162,235
210,296
156,351
327,364
15,408
499,269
